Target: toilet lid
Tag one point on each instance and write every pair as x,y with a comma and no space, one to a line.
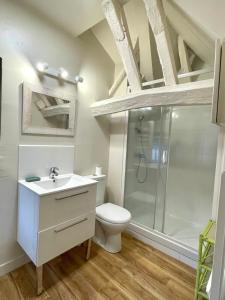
112,213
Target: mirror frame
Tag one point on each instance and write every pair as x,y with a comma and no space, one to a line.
27,128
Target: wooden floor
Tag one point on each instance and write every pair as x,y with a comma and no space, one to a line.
138,272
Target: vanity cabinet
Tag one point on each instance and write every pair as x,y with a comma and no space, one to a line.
51,224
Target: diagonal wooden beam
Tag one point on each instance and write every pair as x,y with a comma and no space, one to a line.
184,58
117,82
193,93
116,19
157,20
192,58
200,41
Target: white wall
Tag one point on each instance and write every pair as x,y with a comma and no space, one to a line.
117,148
117,156
26,38
92,139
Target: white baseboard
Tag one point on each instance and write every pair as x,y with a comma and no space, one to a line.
13,264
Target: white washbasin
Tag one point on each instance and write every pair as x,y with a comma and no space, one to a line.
61,183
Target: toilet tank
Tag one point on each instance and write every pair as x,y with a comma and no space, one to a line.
101,185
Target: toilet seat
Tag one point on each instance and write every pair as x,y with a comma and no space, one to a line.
112,213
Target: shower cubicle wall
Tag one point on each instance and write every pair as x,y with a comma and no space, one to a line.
171,158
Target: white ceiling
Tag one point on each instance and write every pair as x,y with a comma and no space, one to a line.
105,37
75,16
208,13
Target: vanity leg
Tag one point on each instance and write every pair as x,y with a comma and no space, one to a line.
88,249
39,271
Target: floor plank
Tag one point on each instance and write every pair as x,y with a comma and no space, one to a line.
137,272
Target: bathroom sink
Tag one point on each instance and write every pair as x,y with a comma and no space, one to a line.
61,183
50,184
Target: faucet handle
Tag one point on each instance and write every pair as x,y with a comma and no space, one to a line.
54,170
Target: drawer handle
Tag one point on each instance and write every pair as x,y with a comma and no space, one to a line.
71,225
69,196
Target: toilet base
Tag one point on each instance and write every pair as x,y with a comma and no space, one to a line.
111,244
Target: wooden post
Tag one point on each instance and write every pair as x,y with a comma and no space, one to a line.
116,19
184,58
39,272
157,20
216,88
88,249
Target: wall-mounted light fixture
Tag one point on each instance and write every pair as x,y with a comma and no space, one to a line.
61,73
78,78
42,66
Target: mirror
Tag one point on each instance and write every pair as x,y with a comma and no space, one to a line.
47,112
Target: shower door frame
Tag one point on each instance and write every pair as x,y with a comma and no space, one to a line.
124,162
158,239
158,174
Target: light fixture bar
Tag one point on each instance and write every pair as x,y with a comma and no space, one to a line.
61,73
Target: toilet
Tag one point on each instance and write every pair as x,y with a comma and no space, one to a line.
111,219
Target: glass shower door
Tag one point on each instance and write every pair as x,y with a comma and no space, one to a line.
191,168
143,158
171,158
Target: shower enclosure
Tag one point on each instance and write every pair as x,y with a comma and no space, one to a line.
170,166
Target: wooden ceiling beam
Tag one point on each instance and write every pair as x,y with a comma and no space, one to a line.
116,19
194,93
157,20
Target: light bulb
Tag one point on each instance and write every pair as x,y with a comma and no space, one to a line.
42,66
63,73
78,78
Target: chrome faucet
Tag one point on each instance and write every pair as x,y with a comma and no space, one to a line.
53,172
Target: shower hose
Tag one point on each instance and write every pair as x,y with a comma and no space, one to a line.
141,156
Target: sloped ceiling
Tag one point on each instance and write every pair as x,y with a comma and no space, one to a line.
77,16
74,16
104,35
208,13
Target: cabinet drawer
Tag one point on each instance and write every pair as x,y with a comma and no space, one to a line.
58,239
60,207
